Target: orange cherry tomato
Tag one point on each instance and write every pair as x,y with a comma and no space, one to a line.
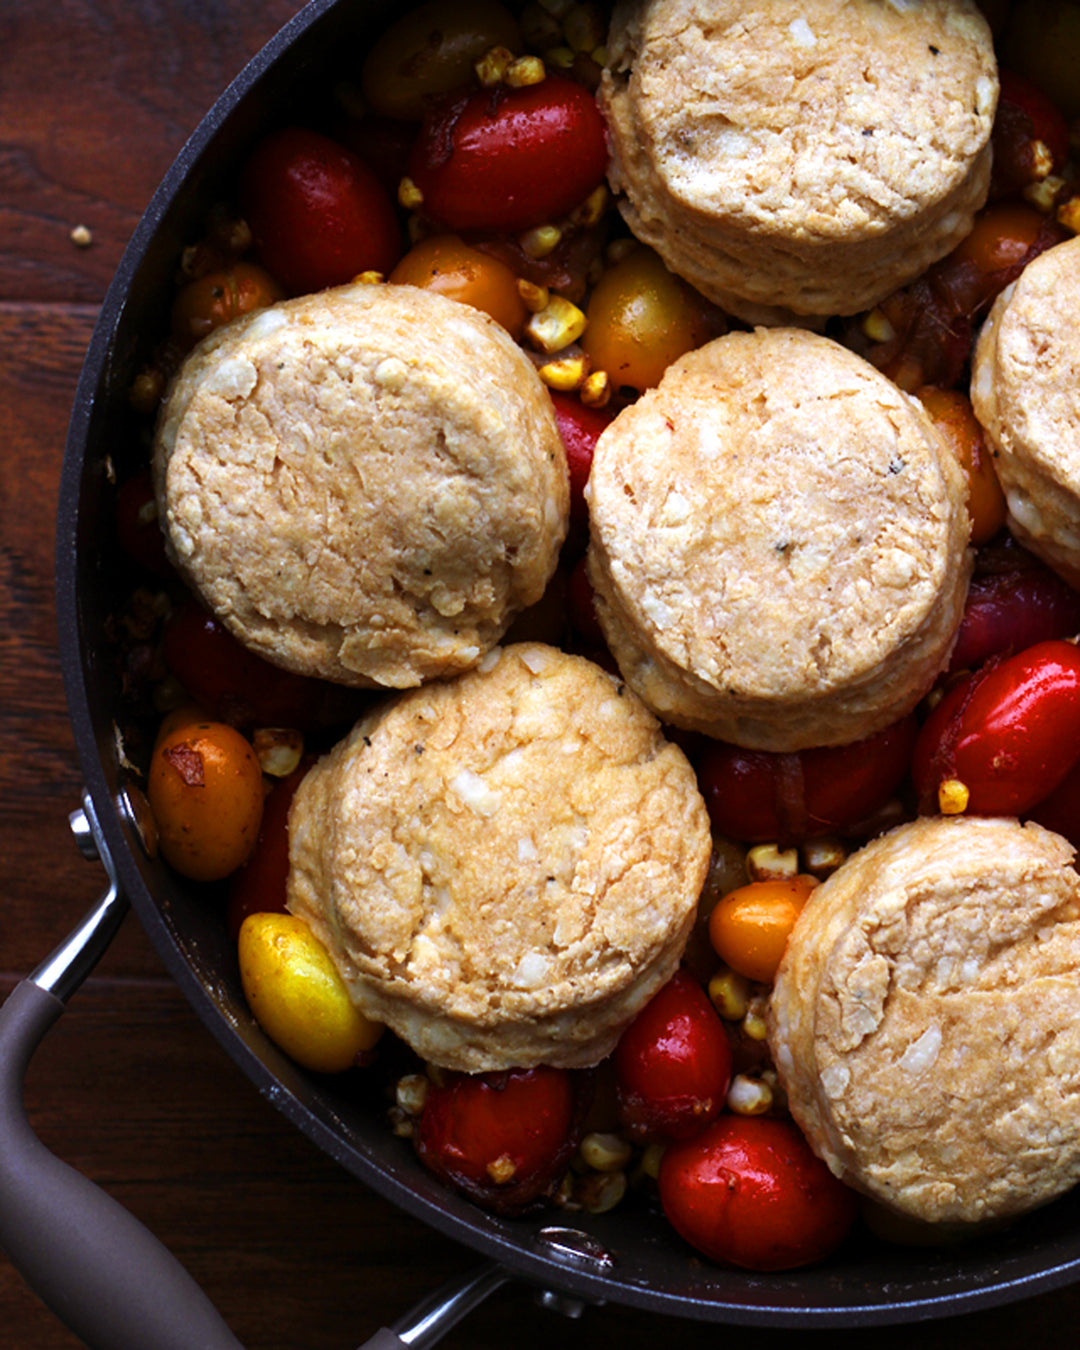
641,318
446,264
432,50
952,414
750,926
1000,237
217,298
206,791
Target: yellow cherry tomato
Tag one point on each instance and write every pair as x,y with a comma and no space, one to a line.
219,297
206,792
750,926
431,50
641,318
296,995
951,412
446,264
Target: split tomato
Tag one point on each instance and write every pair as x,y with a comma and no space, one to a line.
509,159
672,1064
749,1192
318,215
1009,733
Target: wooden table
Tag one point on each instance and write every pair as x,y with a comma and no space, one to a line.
95,100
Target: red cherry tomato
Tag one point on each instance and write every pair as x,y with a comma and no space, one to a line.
672,1064
1013,602
749,1192
1010,732
508,159
1060,811
259,886
502,1138
318,215
1025,117
236,686
759,795
137,524
580,428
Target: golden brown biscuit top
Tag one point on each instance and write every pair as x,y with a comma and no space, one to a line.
832,118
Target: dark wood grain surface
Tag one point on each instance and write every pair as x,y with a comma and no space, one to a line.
96,98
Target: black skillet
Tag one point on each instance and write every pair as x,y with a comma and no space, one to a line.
96,1267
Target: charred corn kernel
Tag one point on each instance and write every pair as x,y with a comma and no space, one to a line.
877,327
534,296
540,241
591,210
729,993
754,1024
410,1093
605,1152
539,29
596,391
525,71
821,857
768,862
1068,214
599,1192
492,67
583,27
409,195
1043,194
749,1095
555,326
953,797
565,375
278,750
561,58
369,278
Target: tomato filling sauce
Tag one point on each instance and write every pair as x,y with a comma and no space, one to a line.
470,158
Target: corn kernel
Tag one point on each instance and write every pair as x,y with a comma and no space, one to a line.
541,240
650,1160
146,390
754,1024
877,327
953,797
562,58
768,862
492,67
501,1170
556,326
596,391
821,857
1043,194
583,27
599,1192
401,1123
1068,214
729,993
600,55
368,278
605,1152
619,249
410,1093
525,71
565,375
535,297
1042,159
749,1095
278,750
409,195
592,209
81,236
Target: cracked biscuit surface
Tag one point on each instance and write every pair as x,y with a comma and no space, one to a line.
504,866
925,1020
1025,390
808,159
366,484
778,543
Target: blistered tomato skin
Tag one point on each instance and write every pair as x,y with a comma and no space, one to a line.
765,797
318,215
1009,733
509,159
502,1138
297,996
749,1192
672,1064
205,788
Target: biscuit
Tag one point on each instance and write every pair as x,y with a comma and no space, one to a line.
925,1020
1025,390
778,543
505,866
366,484
808,160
